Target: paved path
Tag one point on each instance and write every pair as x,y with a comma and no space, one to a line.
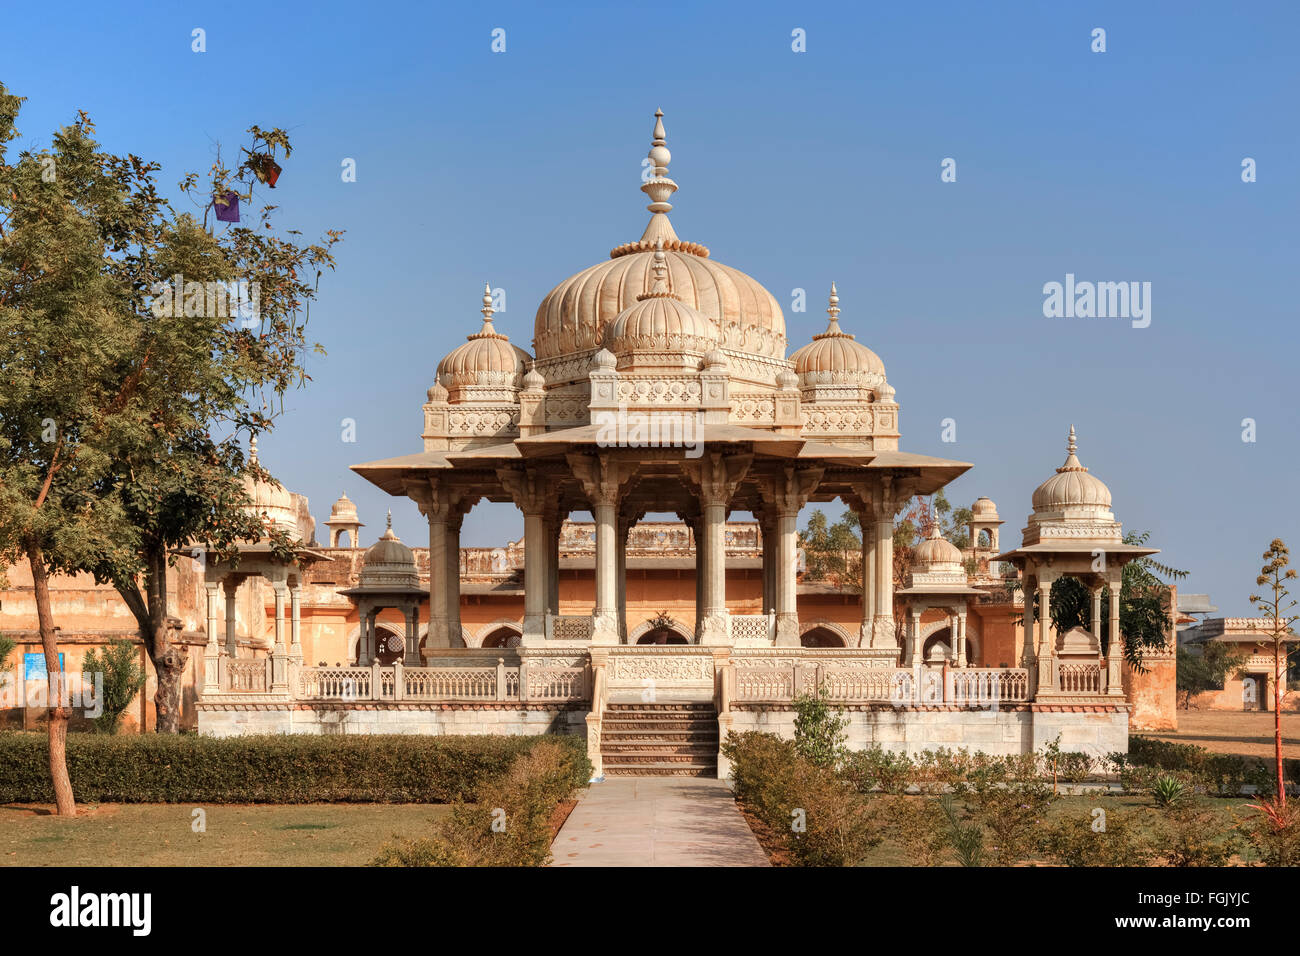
657,821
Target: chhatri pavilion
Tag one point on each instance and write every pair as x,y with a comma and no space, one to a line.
661,384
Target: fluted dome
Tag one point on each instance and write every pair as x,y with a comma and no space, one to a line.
575,316
835,357
1071,486
936,553
389,563
486,358
659,321
343,509
274,503
984,508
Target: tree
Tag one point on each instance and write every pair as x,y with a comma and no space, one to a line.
1277,605
63,343
1207,670
191,376
833,552
120,678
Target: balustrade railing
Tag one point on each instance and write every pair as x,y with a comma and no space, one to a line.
568,627
1085,678
976,686
756,628
248,676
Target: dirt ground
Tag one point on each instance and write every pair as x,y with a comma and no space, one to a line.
1234,732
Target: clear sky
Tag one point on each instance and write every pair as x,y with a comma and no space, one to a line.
521,168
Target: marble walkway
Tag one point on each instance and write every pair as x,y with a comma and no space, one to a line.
656,821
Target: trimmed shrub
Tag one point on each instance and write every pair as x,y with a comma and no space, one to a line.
919,825
1220,774
1073,841
509,822
285,768
874,769
1006,796
822,820
1188,834
819,733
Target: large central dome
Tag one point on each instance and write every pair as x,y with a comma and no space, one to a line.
573,316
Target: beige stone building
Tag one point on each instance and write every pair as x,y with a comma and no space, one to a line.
659,399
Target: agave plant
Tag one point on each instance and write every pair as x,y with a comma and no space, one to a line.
1168,791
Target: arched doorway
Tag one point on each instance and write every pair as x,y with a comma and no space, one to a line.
661,635
821,637
938,647
391,646
501,637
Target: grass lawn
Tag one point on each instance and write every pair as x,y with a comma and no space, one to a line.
891,854
133,834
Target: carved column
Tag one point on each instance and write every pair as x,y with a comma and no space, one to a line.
1096,612
553,524
435,501
455,517
232,638
1047,638
602,479
866,631
1115,646
914,642
878,555
715,478
789,492
1028,655
279,654
622,530
295,621
212,653
961,638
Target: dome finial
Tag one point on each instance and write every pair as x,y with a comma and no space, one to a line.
252,450
833,329
659,287
659,187
390,519
489,330
1072,462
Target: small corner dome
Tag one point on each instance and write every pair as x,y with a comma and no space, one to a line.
344,509
835,357
1071,486
936,550
984,508
486,358
388,562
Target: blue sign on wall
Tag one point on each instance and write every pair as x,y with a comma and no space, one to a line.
34,666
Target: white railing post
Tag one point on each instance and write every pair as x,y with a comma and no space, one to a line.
399,680
523,680
501,678
376,681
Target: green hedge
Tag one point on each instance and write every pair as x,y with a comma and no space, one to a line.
1222,774
160,768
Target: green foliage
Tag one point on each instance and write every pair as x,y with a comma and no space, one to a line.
819,734
876,770
1199,769
919,826
1006,797
120,676
508,824
965,839
1189,834
820,819
7,645
282,768
1205,670
1076,840
1169,791
1273,831
833,552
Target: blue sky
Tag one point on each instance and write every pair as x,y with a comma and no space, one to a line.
521,168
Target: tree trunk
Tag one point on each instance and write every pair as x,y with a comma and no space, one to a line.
57,714
169,659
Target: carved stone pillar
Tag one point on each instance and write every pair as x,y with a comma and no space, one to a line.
960,653
295,621
882,500
622,530
232,637
787,493
1028,649
553,524
1047,682
212,653
455,517
279,653
914,660
1115,645
715,477
436,502
603,479
866,631
1096,612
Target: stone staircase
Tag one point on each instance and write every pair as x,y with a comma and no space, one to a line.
659,740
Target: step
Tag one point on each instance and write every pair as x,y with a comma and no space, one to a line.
654,747
661,706
661,770
680,726
644,714
664,737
